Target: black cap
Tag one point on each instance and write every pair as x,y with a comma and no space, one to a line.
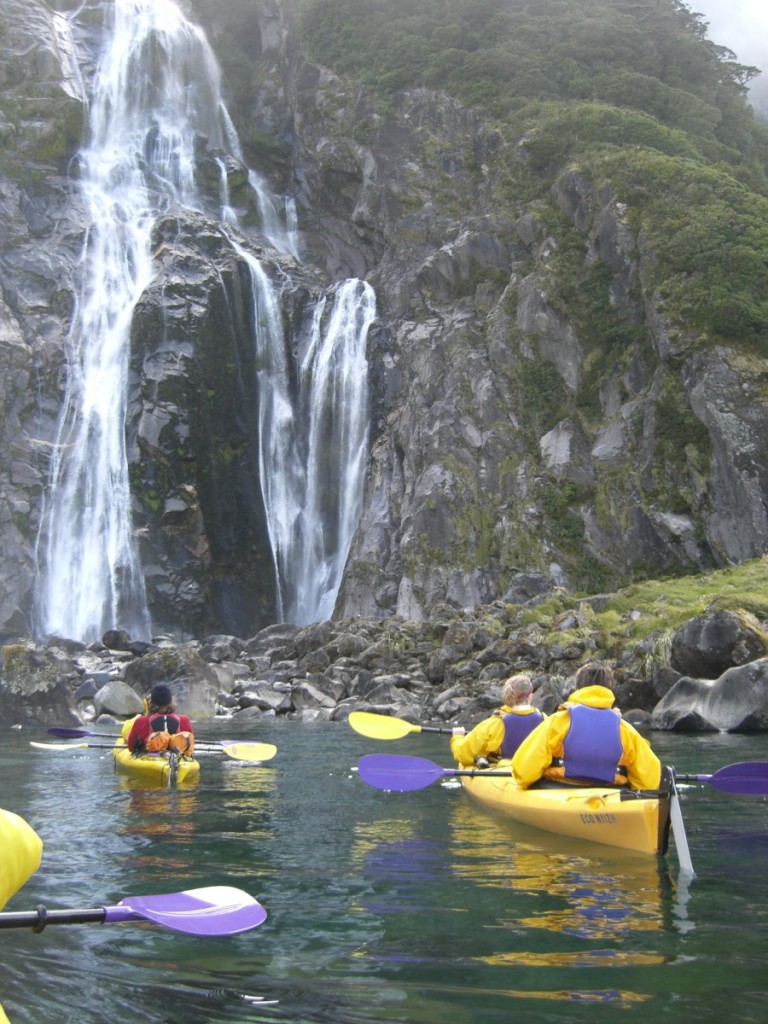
161,695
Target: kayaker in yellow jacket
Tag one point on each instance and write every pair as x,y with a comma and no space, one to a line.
501,734
586,739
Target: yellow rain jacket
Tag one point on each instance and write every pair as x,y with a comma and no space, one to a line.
537,752
486,738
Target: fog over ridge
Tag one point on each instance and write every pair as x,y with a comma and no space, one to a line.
742,26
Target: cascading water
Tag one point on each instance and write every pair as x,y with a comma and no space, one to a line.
227,214
155,88
155,92
313,447
333,398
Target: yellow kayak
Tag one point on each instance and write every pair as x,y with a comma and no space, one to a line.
22,849
161,769
614,817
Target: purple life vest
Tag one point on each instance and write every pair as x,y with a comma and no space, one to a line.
516,728
592,749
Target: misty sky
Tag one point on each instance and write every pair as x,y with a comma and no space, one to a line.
742,26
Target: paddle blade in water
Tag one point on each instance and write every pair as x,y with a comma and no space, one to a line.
380,727
743,769
401,774
749,778
59,746
215,910
248,751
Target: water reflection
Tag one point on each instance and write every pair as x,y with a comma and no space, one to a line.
156,810
245,789
546,914
244,777
591,910
613,897
398,862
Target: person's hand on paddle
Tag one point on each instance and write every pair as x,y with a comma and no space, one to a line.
458,730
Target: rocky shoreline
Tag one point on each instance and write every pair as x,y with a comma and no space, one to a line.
712,676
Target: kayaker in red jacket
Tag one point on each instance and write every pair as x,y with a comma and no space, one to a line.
161,727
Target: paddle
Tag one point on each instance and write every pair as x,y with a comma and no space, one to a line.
678,828
382,727
403,774
214,910
237,751
749,778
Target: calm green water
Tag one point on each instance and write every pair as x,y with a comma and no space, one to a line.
415,907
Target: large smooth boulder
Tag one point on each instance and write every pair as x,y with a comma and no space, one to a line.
736,702
705,646
680,709
117,698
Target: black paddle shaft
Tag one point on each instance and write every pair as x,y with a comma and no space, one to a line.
38,918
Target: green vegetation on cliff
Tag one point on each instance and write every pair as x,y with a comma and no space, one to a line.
631,92
636,624
649,55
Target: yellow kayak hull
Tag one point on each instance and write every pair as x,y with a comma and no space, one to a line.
154,769
22,849
596,814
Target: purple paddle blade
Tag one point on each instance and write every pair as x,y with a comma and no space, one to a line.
747,785
401,774
743,769
215,910
749,778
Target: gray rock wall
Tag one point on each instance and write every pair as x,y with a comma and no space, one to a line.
505,439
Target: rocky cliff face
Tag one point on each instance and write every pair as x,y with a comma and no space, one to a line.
538,420
40,123
511,437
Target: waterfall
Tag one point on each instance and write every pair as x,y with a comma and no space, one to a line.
156,91
227,214
313,440
282,238
155,87
333,396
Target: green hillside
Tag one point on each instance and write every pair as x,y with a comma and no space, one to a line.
631,92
